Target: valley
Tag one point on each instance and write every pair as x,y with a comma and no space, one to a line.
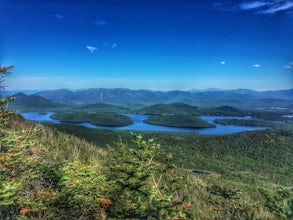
221,171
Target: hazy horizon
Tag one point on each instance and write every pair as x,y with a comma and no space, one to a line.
155,90
157,45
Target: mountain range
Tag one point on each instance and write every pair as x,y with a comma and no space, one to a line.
239,98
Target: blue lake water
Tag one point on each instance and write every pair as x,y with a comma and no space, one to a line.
139,125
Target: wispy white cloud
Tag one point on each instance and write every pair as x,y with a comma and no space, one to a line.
277,7
223,62
252,5
58,16
91,48
100,22
289,66
259,6
256,65
114,45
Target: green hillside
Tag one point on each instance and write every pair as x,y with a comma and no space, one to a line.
173,108
248,157
25,102
248,162
227,110
100,107
249,173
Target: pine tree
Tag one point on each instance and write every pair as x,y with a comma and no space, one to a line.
4,101
140,187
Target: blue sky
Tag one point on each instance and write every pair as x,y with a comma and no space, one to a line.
147,44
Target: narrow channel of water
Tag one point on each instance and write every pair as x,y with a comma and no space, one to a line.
139,125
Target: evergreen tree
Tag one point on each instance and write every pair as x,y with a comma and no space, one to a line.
140,187
4,101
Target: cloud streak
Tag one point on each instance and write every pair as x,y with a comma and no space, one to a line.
100,22
58,16
256,65
91,48
272,8
252,5
289,66
259,6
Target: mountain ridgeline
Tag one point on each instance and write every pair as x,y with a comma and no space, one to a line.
25,102
240,98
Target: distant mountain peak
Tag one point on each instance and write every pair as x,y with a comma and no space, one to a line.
213,89
213,97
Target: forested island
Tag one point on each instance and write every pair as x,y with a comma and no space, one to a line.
183,121
103,119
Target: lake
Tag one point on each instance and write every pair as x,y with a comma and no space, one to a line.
139,125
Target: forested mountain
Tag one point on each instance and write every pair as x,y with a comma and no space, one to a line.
173,108
25,102
240,98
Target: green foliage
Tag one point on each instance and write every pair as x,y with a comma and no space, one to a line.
132,185
25,102
101,108
255,157
82,190
21,183
279,201
4,113
228,110
106,119
241,122
35,183
224,192
187,121
170,109
226,202
62,147
140,187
